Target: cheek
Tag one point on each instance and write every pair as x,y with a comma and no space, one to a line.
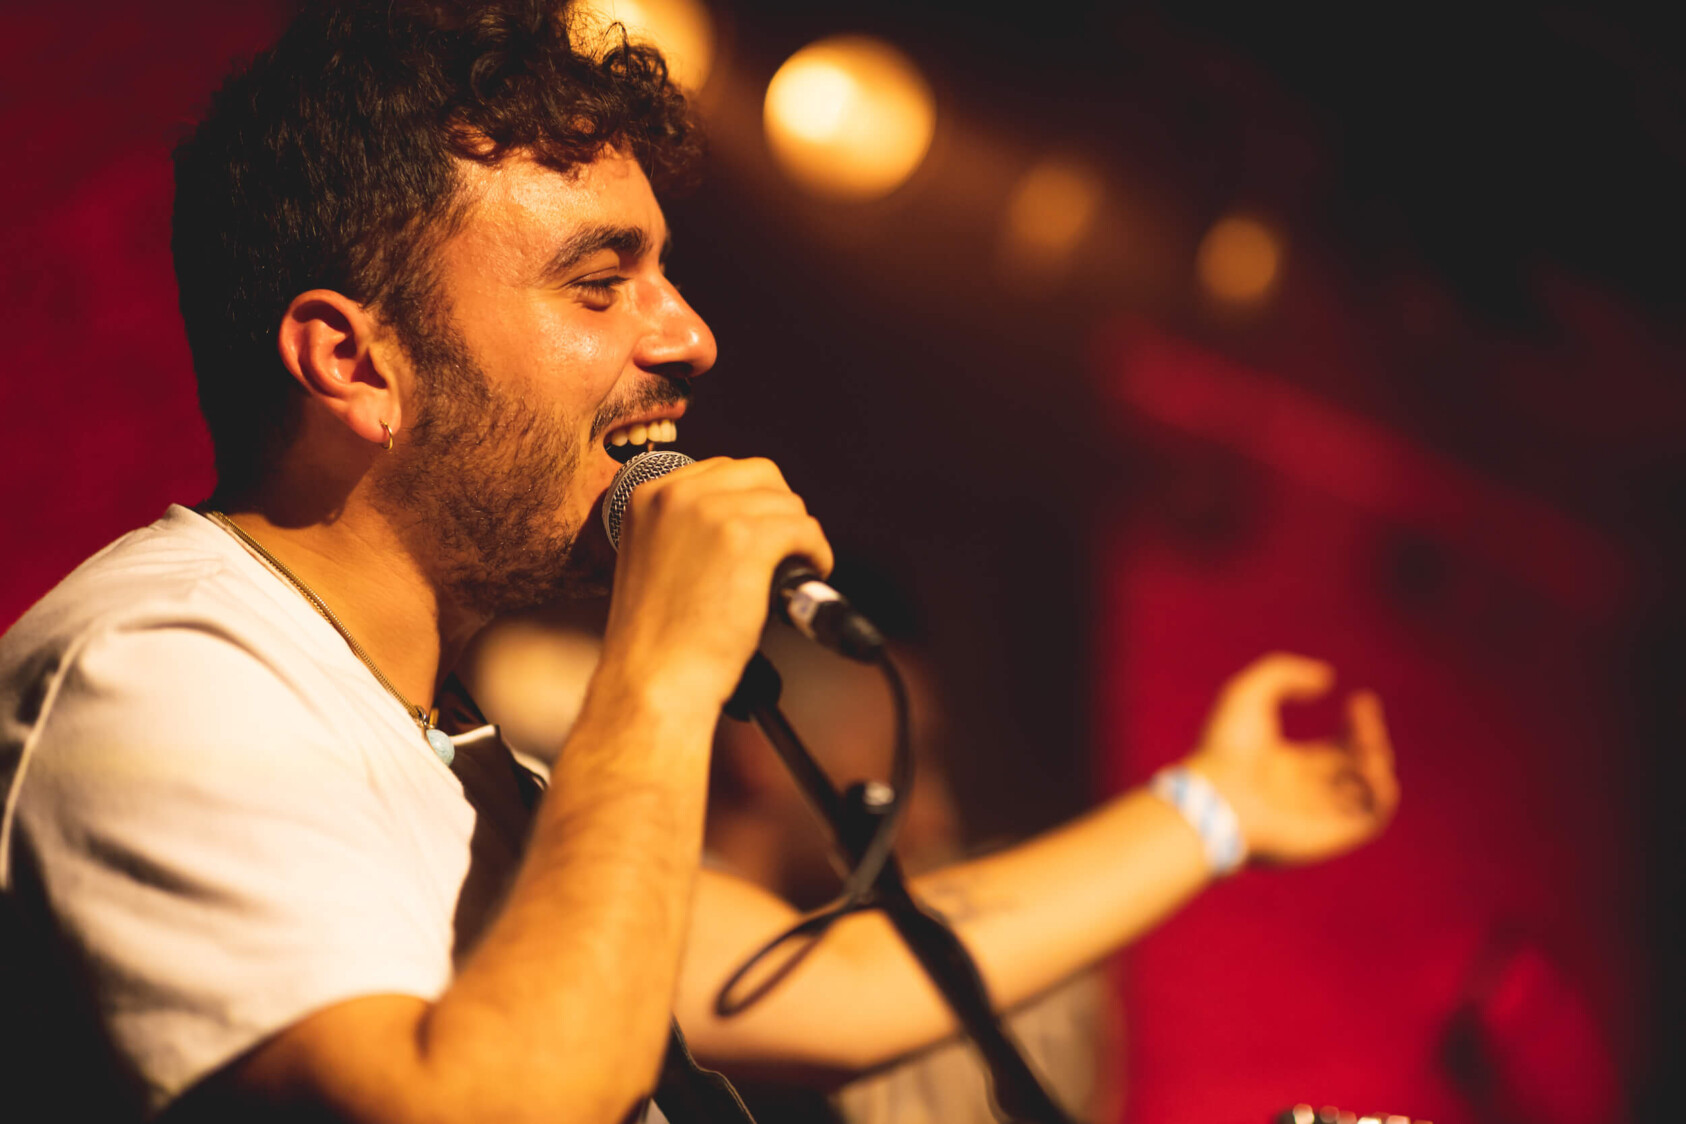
582,358
573,348
553,359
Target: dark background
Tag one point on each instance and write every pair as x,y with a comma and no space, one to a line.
1447,454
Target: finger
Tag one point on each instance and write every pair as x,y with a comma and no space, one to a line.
733,472
757,489
717,476
747,503
761,525
1353,793
1372,748
712,474
806,540
765,524
1279,677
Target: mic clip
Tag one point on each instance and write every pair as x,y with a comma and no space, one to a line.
822,614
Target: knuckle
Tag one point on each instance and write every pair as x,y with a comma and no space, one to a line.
736,532
652,497
767,468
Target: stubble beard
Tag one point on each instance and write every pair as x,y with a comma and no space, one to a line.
481,490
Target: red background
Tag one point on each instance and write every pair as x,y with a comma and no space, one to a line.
1468,511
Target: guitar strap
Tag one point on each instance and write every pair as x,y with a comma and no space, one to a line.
689,1094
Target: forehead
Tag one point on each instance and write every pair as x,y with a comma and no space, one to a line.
519,212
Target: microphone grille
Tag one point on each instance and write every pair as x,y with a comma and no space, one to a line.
639,470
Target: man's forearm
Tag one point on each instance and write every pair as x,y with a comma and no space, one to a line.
560,1013
597,916
1031,916
1036,913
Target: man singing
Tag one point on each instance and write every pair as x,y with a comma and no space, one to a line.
285,866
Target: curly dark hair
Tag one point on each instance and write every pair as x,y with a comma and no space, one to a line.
330,161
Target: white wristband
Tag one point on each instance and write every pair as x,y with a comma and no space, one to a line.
1207,812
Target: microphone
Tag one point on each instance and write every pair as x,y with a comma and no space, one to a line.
799,597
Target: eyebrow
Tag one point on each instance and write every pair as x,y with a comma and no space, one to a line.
628,241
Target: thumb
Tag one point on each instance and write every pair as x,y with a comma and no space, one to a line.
1276,678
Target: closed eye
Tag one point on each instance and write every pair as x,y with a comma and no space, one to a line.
600,292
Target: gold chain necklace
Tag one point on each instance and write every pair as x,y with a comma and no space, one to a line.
437,739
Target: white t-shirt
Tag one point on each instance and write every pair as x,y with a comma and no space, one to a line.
227,817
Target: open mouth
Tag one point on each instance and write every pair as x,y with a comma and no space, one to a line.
627,441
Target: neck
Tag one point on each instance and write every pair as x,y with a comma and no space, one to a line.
351,555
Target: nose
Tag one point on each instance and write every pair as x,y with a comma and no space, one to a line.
679,344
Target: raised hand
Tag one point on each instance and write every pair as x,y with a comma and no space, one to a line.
1297,801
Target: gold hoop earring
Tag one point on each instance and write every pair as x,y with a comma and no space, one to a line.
387,444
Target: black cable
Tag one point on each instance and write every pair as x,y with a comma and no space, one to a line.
757,698
864,823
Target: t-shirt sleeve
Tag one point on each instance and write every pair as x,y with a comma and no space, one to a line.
212,850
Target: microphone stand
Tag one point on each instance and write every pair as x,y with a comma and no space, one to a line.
853,817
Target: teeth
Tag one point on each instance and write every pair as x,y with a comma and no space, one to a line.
643,432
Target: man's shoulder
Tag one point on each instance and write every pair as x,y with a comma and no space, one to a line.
181,572
165,642
168,671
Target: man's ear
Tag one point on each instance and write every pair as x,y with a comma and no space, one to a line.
327,341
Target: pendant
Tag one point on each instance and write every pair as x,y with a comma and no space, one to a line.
440,742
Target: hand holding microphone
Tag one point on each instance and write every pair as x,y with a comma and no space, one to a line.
799,596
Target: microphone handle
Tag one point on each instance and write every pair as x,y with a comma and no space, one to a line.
810,606
799,596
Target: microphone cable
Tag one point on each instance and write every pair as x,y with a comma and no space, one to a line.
886,805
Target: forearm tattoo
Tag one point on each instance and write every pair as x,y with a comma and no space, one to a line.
959,903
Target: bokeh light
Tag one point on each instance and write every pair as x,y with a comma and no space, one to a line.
1052,207
849,117
1239,260
681,29
533,678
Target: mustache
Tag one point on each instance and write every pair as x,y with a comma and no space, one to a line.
650,396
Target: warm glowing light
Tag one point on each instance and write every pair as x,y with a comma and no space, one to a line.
680,29
531,678
849,117
1052,207
1239,260
813,100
